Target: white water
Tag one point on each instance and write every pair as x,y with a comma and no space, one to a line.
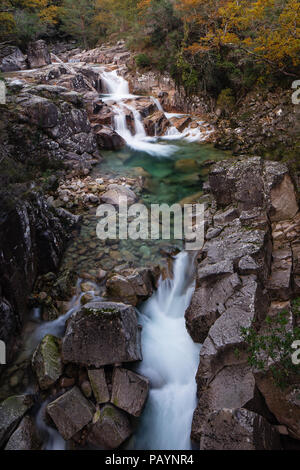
118,91
170,361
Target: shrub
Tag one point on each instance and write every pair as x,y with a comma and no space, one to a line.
142,60
275,345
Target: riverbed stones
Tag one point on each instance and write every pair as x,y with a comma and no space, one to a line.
102,333
70,412
238,429
129,391
117,192
46,361
12,411
99,385
111,430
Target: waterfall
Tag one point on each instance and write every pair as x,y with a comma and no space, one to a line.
170,361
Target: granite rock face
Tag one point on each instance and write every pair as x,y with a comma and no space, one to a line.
247,265
111,429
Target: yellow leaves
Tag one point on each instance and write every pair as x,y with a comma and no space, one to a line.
7,23
270,29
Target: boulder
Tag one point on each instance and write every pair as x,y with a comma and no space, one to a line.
25,437
102,333
38,54
131,286
238,429
115,192
111,430
156,124
46,361
12,411
129,391
99,385
108,139
70,412
11,59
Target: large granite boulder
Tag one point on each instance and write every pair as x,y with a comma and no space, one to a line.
71,412
102,333
156,124
46,361
38,54
129,391
108,139
11,59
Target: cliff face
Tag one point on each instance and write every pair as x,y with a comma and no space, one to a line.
248,272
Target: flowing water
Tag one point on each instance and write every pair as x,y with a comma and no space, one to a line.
170,361
171,166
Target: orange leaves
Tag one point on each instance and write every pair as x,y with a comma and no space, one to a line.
270,29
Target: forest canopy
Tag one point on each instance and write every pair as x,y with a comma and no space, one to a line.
202,43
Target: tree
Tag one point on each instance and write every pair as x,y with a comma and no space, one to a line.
77,19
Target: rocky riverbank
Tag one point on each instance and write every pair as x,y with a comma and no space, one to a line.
248,273
54,129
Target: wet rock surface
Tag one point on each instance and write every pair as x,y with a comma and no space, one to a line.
129,391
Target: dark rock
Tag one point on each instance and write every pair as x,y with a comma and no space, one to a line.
111,430
12,411
25,437
38,54
11,59
99,385
102,333
46,361
238,429
129,391
108,139
70,412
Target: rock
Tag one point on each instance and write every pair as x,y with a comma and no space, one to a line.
11,59
46,361
238,429
25,436
283,200
129,391
86,388
118,288
279,283
38,54
99,385
208,303
41,112
70,412
102,333
115,192
156,124
187,165
111,430
132,286
108,139
12,411
181,122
